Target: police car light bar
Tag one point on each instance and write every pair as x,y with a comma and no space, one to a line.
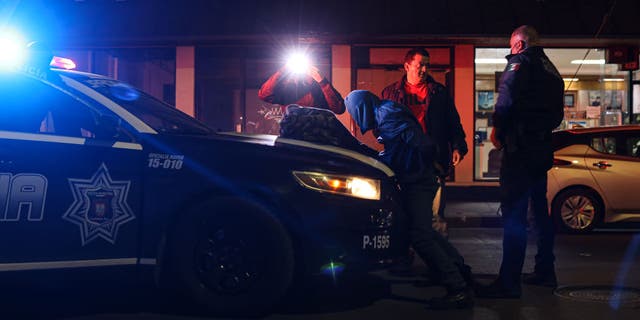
63,63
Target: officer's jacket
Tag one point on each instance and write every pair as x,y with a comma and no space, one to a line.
530,105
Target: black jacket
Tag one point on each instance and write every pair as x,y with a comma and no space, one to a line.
530,105
442,119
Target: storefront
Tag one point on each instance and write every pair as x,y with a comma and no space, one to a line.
597,93
219,85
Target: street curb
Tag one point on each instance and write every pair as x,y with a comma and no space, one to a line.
474,222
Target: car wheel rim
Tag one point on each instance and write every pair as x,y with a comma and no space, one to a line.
226,264
578,212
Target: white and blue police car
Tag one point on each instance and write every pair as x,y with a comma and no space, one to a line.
95,173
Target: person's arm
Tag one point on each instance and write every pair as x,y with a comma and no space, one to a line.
331,95
512,83
557,112
494,139
268,91
456,133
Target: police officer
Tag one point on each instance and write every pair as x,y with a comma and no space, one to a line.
529,107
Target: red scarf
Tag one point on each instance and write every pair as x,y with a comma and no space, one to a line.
417,99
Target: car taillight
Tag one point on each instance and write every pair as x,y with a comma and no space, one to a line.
560,162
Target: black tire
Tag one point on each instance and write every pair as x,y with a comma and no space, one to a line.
231,257
577,210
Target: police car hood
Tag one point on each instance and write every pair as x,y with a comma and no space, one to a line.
292,144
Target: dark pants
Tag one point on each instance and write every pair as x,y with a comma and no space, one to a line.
443,198
436,251
517,186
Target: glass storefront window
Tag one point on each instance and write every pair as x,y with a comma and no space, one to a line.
596,94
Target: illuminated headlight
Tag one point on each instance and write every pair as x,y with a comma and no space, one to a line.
352,186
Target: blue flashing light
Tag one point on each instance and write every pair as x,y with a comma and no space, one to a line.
12,50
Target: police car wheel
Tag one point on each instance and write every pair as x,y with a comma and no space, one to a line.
577,210
232,258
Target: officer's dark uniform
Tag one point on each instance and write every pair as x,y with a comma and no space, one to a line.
529,107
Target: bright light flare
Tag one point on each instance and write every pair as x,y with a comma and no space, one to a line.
347,185
298,63
334,184
365,188
12,50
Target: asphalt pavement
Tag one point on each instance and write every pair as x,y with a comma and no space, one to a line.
473,214
597,273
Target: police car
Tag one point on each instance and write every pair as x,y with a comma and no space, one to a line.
95,173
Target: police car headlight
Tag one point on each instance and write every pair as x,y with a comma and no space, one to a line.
352,186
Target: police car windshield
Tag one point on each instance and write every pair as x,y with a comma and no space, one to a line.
160,116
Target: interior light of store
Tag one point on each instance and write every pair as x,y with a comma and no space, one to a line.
596,61
490,60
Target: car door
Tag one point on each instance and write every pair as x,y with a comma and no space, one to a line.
615,169
68,196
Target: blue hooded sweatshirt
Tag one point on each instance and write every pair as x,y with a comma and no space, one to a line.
407,150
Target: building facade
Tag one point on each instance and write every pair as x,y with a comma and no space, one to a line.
209,58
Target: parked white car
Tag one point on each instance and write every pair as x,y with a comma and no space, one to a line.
595,178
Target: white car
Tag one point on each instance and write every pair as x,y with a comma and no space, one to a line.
595,178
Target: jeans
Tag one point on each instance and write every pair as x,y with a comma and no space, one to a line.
436,251
517,187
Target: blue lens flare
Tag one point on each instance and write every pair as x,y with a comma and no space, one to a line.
332,268
625,268
124,92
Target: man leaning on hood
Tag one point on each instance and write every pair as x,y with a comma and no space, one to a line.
410,153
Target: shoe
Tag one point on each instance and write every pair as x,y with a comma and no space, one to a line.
540,279
462,299
496,290
468,277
